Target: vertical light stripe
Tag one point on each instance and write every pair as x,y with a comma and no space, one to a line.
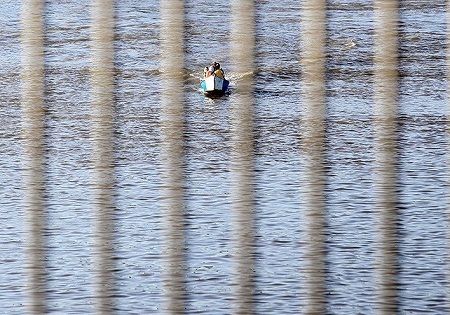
172,154
313,146
102,133
385,149
448,153
33,109
242,155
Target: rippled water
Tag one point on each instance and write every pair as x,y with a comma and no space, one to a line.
280,235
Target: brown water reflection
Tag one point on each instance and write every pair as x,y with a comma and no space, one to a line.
242,156
173,155
102,133
313,148
33,108
385,147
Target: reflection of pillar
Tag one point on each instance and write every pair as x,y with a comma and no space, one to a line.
102,132
448,139
313,150
385,146
33,109
172,154
242,55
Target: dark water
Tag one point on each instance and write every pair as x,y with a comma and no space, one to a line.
275,184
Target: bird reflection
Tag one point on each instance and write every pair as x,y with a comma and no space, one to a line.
33,109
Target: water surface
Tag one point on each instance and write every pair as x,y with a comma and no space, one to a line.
279,163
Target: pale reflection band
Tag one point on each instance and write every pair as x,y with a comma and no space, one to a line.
313,148
33,109
242,156
172,155
102,134
385,148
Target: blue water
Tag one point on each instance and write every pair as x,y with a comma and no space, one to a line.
351,214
